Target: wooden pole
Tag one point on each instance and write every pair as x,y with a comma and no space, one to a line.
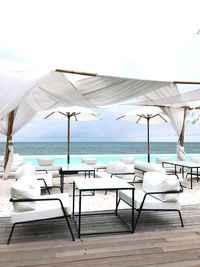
9,137
76,72
68,138
148,140
182,135
186,82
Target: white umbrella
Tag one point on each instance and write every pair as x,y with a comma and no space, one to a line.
74,113
145,115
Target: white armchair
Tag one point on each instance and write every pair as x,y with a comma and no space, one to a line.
30,206
45,179
160,192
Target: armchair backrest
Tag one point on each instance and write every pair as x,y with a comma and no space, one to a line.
26,187
24,170
157,182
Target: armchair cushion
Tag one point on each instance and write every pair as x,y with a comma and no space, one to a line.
128,160
44,209
150,202
89,161
45,161
160,182
25,187
24,170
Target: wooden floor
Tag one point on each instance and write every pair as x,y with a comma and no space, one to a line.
159,240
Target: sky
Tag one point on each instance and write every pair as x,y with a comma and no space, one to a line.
147,39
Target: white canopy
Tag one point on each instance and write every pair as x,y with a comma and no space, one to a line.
29,89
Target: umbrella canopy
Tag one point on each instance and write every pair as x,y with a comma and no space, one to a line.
72,113
145,115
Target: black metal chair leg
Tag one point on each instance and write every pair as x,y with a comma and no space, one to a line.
137,219
11,232
117,205
181,219
70,229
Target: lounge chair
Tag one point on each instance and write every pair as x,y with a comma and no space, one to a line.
17,161
30,206
168,167
47,164
121,170
45,179
142,167
160,192
93,162
195,171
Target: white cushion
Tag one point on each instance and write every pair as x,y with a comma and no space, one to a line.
195,159
45,161
25,187
150,202
1,162
119,167
44,209
160,182
47,177
161,159
89,161
24,170
128,160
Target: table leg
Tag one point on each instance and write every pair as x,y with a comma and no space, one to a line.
62,182
79,214
73,203
191,178
132,217
197,175
116,201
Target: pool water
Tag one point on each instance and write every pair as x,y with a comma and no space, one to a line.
62,159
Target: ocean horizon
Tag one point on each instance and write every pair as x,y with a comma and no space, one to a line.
90,148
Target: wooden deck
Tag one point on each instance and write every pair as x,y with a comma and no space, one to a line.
159,240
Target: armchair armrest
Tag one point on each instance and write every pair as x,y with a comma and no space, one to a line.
40,199
42,170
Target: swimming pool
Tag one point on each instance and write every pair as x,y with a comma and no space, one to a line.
103,158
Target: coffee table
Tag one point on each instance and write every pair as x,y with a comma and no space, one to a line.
184,164
73,168
100,184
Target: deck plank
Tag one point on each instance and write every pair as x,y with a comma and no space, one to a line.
159,240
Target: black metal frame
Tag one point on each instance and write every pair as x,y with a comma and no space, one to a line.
46,187
41,199
80,214
67,172
155,193
182,167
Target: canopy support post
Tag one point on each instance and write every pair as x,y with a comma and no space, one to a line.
182,135
9,137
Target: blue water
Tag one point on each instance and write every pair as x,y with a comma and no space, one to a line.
81,148
61,160
102,151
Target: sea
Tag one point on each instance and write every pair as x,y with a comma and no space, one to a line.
102,151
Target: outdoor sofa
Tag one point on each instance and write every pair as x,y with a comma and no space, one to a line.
160,192
29,205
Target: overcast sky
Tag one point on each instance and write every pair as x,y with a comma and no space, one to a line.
148,39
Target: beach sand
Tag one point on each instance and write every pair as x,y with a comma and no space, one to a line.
100,201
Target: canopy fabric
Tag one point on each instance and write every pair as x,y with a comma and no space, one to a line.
177,119
44,89
34,89
179,100
107,90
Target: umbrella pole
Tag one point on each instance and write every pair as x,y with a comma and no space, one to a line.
68,139
148,142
